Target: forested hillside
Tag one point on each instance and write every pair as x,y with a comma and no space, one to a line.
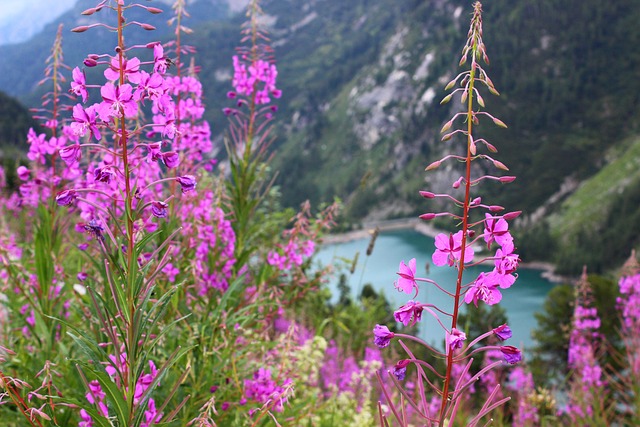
360,113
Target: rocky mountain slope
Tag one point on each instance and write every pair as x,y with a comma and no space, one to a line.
360,114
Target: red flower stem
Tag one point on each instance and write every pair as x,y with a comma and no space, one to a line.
130,379
465,227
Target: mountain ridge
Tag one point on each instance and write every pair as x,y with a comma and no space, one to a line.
360,118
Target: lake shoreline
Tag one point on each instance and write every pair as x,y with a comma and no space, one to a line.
368,229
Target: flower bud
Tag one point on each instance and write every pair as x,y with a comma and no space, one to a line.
446,126
463,98
154,10
147,27
499,123
88,12
427,216
507,179
447,136
446,99
90,62
80,29
427,194
451,84
433,165
480,100
511,215
495,208
456,184
500,165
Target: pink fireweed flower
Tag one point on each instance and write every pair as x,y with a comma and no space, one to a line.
95,229
503,332
171,159
66,197
70,154
131,70
483,290
406,282
382,336
496,230
455,339
114,99
506,261
155,150
511,354
400,369
159,60
500,279
159,209
448,249
85,120
411,312
171,271
150,86
79,84
104,174
23,173
187,182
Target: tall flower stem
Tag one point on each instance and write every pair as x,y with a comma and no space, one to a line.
465,209
130,282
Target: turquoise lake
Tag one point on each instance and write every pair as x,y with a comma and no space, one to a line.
521,301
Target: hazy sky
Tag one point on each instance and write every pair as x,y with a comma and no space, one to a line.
20,19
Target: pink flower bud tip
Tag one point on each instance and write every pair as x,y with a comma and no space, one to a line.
507,179
495,208
154,10
80,29
499,122
500,165
427,216
433,165
427,194
512,215
147,27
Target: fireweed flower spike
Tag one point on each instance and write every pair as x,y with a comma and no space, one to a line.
455,250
